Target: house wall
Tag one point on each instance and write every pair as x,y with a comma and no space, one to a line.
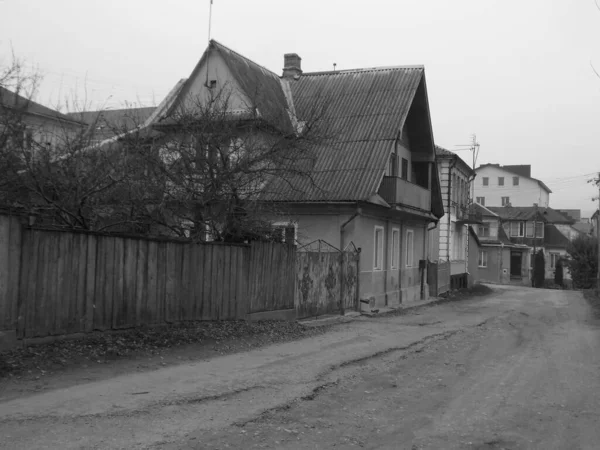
526,193
498,266
453,238
549,275
46,131
389,286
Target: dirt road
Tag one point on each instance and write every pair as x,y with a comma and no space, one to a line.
517,370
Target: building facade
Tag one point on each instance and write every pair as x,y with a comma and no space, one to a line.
498,185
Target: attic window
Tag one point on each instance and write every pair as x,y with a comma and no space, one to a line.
212,84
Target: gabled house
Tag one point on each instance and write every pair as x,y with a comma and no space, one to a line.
449,241
513,185
536,228
37,124
499,259
108,123
373,182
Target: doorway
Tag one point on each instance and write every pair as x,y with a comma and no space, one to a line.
516,263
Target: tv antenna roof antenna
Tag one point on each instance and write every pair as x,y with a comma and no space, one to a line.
209,19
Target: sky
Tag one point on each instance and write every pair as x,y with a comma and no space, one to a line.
516,73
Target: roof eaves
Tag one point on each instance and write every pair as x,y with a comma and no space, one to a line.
364,69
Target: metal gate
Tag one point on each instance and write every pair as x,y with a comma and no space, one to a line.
326,279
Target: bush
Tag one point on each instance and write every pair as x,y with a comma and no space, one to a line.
583,263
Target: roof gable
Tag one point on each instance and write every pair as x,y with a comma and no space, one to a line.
365,110
12,100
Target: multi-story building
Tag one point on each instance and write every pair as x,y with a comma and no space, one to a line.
498,185
449,241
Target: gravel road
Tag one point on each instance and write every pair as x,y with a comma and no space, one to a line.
515,370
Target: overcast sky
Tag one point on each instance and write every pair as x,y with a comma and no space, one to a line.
515,72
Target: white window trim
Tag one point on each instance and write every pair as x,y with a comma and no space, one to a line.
284,225
395,253
410,250
378,265
483,263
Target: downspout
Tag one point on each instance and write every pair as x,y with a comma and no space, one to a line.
454,161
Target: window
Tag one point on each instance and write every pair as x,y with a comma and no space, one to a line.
393,169
404,169
378,249
505,201
486,181
517,229
483,256
500,181
484,230
480,200
554,257
515,181
410,250
212,84
539,229
286,231
457,244
395,248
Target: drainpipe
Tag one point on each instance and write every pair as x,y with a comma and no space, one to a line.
454,161
352,217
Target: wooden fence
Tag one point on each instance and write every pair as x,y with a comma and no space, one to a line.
56,282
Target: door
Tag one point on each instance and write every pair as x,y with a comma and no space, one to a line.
515,264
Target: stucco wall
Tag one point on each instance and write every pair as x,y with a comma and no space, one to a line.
388,286
526,193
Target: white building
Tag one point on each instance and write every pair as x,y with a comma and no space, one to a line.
497,185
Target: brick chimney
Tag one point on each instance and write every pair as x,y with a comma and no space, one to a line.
292,65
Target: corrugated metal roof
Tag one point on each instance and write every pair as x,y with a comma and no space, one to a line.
554,238
12,100
364,110
548,215
113,121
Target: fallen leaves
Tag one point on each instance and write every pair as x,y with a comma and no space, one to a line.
101,348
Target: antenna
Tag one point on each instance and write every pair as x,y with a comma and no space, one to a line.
473,147
334,64
209,19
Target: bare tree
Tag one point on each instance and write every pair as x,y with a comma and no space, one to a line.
200,173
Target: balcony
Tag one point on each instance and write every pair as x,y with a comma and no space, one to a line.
397,191
466,215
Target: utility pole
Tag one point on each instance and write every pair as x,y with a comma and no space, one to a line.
596,181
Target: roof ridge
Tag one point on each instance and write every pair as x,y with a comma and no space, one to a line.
364,69
243,57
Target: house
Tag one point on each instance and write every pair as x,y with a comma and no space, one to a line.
537,228
373,182
499,259
108,123
36,123
498,185
449,241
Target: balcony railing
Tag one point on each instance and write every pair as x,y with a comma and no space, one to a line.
397,191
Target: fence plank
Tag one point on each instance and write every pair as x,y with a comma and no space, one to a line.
152,310
90,283
186,298
161,282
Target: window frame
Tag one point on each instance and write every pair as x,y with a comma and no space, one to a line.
395,253
378,248
482,203
500,181
484,226
515,181
410,249
554,257
505,203
481,261
485,181
283,226
521,228
404,169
